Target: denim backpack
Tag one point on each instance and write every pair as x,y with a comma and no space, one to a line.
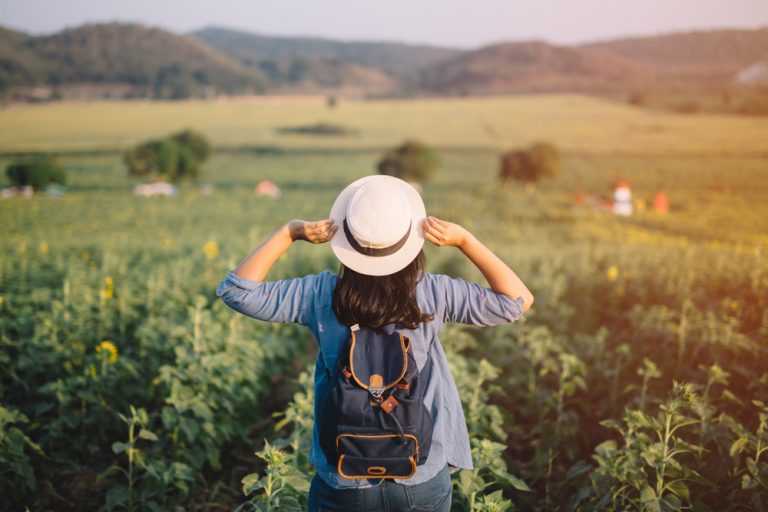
374,423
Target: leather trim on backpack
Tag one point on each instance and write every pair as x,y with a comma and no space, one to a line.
403,346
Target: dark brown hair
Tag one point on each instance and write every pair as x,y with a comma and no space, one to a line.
375,301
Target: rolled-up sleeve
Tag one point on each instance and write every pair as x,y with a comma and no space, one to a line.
288,300
470,303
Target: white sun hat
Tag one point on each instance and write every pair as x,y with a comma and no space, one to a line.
380,225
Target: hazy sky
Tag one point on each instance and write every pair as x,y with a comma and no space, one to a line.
464,23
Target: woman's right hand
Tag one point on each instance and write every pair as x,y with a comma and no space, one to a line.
316,232
443,233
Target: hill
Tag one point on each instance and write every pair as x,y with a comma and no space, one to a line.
693,61
149,61
398,60
130,60
532,67
715,56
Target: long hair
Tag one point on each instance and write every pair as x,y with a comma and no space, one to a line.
375,301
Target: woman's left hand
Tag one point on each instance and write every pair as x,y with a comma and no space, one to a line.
316,232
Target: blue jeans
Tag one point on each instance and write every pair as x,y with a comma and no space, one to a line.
434,495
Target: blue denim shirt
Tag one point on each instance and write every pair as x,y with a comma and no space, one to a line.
307,300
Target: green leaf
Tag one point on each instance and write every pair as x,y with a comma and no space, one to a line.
679,488
146,434
119,447
649,500
738,445
606,448
117,496
577,470
110,471
514,481
301,484
251,483
290,504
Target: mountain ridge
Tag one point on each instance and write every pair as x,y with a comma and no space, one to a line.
142,61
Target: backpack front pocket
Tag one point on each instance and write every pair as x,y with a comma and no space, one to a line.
377,455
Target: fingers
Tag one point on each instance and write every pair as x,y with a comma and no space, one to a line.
432,238
320,231
434,232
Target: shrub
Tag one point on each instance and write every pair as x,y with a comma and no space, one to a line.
173,158
36,172
316,129
411,161
541,160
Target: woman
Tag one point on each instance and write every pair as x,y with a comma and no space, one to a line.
377,228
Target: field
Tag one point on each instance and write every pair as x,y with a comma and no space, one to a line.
637,381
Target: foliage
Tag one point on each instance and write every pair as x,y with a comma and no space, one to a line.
410,161
174,158
624,307
530,165
36,172
317,129
16,469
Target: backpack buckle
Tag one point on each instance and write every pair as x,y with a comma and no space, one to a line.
376,392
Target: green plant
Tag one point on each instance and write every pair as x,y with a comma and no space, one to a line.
16,467
36,172
174,158
651,471
410,161
124,496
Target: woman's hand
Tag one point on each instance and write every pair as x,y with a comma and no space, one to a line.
444,233
317,232
501,278
256,265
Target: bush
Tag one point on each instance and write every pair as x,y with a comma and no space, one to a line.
174,158
411,161
541,160
36,172
316,129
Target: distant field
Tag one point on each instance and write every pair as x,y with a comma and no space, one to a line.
574,123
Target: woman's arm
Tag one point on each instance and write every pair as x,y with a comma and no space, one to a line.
500,277
257,264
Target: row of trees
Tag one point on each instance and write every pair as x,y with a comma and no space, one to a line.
180,156
414,161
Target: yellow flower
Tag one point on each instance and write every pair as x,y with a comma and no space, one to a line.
612,273
108,347
43,248
109,288
211,249
22,247
92,371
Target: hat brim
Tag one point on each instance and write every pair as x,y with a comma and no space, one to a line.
378,265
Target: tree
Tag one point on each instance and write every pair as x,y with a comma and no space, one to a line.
36,172
174,158
196,142
541,160
411,161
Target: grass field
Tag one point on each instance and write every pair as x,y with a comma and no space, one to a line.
580,398
573,123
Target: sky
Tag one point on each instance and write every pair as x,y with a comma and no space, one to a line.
458,23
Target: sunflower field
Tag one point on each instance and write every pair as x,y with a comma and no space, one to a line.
638,380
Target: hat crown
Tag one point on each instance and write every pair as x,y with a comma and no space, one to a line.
378,214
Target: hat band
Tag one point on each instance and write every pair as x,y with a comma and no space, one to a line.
373,251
